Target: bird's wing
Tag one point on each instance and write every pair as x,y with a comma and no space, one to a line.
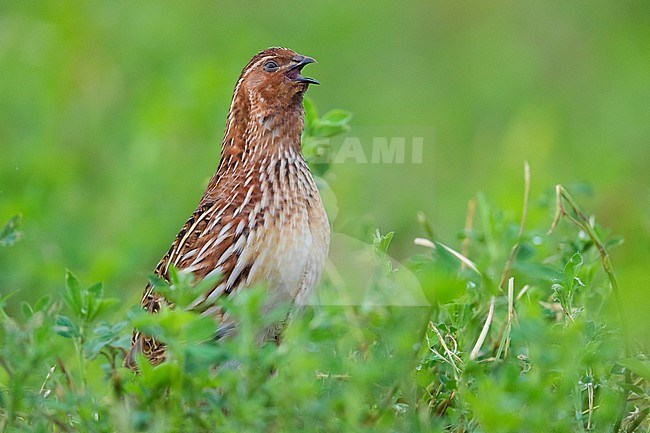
211,242
199,247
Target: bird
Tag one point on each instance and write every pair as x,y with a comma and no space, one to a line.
261,219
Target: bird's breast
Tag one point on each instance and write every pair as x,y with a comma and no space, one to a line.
293,237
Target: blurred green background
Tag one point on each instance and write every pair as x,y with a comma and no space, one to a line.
111,114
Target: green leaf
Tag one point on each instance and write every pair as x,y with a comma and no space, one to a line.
102,306
26,309
161,376
42,303
440,283
337,117
201,356
183,290
327,129
633,388
573,265
637,366
174,277
332,123
97,290
200,329
426,226
72,294
525,251
107,336
538,270
311,113
614,242
584,189
4,298
381,242
65,327
10,234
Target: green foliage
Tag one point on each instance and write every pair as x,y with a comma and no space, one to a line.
318,131
111,115
539,353
86,304
179,279
10,234
514,340
109,121
552,358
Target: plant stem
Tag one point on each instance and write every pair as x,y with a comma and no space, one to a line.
580,220
583,223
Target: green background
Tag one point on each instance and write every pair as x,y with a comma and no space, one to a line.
111,114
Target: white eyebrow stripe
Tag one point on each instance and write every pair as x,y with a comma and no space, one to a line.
262,60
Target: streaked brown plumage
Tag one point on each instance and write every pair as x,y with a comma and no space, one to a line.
261,218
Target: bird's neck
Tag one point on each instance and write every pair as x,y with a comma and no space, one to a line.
256,133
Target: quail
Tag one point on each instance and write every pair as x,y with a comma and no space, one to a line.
261,219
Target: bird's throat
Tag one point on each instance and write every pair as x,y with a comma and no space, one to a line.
258,134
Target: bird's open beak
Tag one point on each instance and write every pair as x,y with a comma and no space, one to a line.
294,71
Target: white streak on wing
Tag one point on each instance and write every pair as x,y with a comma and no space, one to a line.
218,291
217,218
253,217
180,245
240,227
201,298
224,230
193,267
270,167
205,247
214,272
234,248
247,199
264,203
241,264
188,254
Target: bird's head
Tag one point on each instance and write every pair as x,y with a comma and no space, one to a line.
273,77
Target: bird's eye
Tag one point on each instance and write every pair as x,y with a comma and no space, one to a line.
270,66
